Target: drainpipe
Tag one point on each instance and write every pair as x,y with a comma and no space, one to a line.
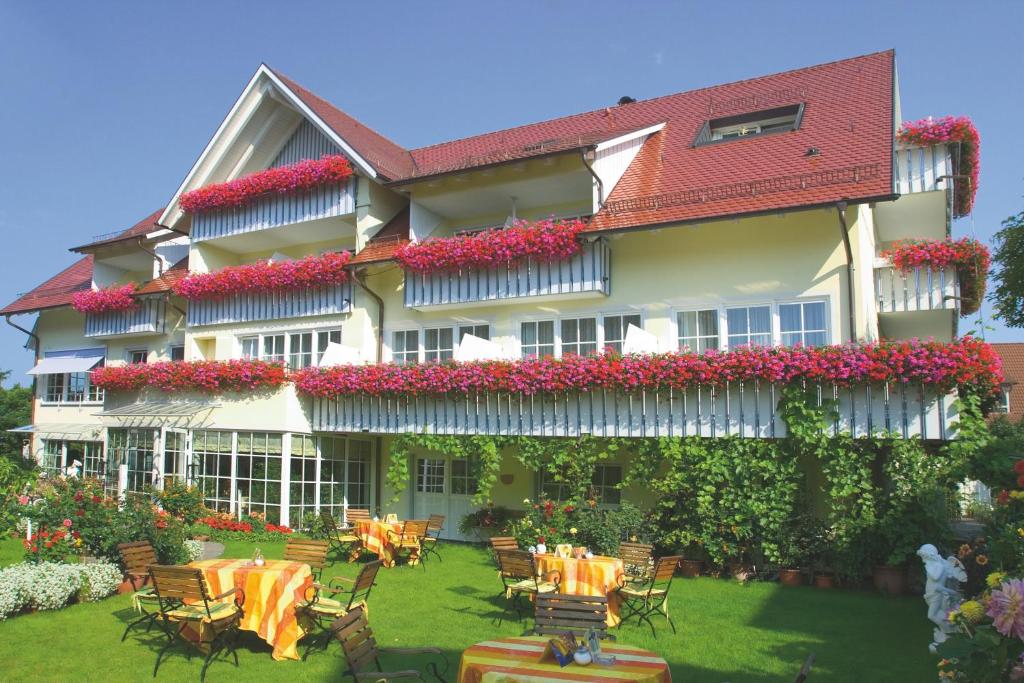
159,261
600,184
32,413
380,313
845,231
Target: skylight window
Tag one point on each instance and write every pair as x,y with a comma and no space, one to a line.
778,120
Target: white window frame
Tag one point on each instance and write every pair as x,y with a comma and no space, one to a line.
753,127
422,329
776,323
598,315
542,475
1004,399
287,334
90,396
598,329
556,350
678,330
130,353
602,336
439,329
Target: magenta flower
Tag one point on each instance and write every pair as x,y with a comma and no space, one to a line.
117,298
1006,607
305,273
23,499
958,130
970,257
67,522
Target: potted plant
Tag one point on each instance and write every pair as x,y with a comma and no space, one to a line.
485,522
796,549
694,556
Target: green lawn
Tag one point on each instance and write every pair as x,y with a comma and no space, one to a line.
727,632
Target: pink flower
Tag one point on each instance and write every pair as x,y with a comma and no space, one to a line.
243,375
67,522
312,271
970,257
117,298
1006,607
957,130
23,500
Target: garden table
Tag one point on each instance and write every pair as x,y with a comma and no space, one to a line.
594,576
517,660
271,593
374,536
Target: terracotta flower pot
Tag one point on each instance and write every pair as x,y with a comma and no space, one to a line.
691,568
824,581
791,577
890,580
125,587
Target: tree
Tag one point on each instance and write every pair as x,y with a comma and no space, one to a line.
15,411
1008,295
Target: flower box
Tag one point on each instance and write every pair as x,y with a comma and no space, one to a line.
116,298
951,130
281,276
970,257
200,376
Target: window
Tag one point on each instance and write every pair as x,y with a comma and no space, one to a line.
615,327
579,336
72,387
438,345
482,331
133,448
302,483
344,474
325,338
750,326
430,475
258,478
604,485
178,352
405,347
300,350
1004,400
77,382
538,339
273,348
174,457
464,478
762,122
55,388
211,453
250,347
698,330
53,458
138,356
803,323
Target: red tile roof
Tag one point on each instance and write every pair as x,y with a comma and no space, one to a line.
383,245
56,291
1012,355
146,225
164,283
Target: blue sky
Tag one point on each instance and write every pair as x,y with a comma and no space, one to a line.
106,105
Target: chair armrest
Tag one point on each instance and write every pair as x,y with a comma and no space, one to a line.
411,650
317,588
331,580
238,592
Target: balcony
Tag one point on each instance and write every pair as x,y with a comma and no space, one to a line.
276,211
745,410
922,289
246,308
587,274
148,318
923,169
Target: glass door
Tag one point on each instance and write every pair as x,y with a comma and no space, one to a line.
175,457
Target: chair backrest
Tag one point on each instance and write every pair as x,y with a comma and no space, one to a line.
357,642
414,529
313,553
357,515
435,524
364,583
174,585
664,570
504,543
137,557
559,613
805,670
516,564
330,524
638,555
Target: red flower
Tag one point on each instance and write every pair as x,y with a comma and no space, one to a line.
569,509
204,376
79,496
1003,498
75,534
49,544
117,298
281,276
67,522
1020,481
1018,467
96,499
958,130
541,539
970,257
161,524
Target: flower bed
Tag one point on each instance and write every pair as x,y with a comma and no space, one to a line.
970,257
943,365
117,298
967,164
203,376
302,175
253,528
312,271
52,585
547,240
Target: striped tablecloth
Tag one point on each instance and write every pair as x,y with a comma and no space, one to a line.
374,536
594,576
271,593
517,660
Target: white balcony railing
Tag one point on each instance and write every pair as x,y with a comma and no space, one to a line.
745,410
921,289
274,211
922,169
588,273
243,308
148,318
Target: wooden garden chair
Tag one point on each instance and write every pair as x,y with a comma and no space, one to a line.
805,670
518,572
651,597
137,557
430,541
408,542
502,543
186,605
363,656
307,551
557,613
353,515
336,599
341,541
638,560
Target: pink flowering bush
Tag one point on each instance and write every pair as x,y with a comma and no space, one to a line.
970,257
967,163
305,273
302,175
548,240
943,365
202,376
116,298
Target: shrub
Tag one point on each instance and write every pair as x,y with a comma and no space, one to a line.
490,518
99,579
183,501
52,585
193,550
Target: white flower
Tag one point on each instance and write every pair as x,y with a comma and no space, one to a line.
526,501
572,531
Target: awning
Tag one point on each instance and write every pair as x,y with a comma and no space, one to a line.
71,431
159,409
65,364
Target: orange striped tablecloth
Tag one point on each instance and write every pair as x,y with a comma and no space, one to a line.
374,536
517,660
271,593
594,576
